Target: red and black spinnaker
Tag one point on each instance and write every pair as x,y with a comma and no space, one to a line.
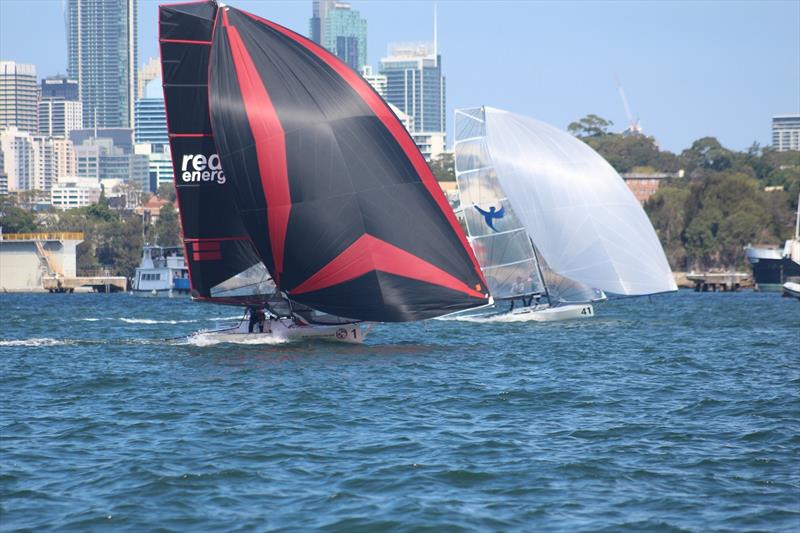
320,178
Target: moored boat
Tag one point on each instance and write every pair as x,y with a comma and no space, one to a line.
161,272
792,289
773,266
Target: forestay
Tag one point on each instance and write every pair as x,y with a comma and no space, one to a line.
585,221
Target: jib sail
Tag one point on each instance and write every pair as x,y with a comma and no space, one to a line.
337,199
223,265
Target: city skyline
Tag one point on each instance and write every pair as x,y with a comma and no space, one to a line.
690,76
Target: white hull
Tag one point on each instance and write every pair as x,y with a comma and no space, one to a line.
790,288
163,293
545,313
287,329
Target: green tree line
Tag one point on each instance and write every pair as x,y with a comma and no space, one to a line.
726,200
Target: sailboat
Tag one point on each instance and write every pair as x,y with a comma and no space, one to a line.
299,190
552,224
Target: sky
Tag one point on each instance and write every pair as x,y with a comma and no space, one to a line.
689,69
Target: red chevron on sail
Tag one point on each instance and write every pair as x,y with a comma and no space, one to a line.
369,254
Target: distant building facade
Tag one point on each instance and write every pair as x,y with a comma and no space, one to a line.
58,117
60,87
786,132
103,57
159,164
120,137
645,185
377,81
150,117
33,162
415,84
18,96
432,144
341,30
147,73
98,158
59,109
70,192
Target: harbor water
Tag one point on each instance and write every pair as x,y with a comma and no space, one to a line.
680,412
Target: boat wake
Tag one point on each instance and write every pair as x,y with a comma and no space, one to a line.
155,321
207,338
36,342
500,318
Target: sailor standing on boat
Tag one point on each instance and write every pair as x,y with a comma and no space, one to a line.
256,317
518,288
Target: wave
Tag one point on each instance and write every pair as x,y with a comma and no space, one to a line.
36,342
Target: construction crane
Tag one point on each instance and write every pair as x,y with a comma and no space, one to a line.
633,122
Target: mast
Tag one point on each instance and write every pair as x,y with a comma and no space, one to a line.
797,221
541,274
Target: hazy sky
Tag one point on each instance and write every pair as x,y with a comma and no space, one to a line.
689,69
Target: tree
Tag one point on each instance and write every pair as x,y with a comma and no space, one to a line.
167,229
626,153
708,154
667,212
443,167
590,126
166,191
14,219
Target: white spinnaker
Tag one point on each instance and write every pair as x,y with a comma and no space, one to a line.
585,221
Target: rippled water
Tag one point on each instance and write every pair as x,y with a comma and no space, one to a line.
678,413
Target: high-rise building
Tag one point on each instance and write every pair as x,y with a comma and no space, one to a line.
18,158
18,95
150,117
58,117
319,10
59,87
339,28
34,162
103,57
415,84
786,132
344,33
3,175
147,73
378,81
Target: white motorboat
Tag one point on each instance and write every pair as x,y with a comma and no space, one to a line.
161,272
792,289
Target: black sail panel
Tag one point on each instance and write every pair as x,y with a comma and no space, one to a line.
223,264
337,199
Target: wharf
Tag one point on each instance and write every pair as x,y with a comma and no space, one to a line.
97,283
720,281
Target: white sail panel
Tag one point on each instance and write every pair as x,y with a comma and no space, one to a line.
498,238
585,221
